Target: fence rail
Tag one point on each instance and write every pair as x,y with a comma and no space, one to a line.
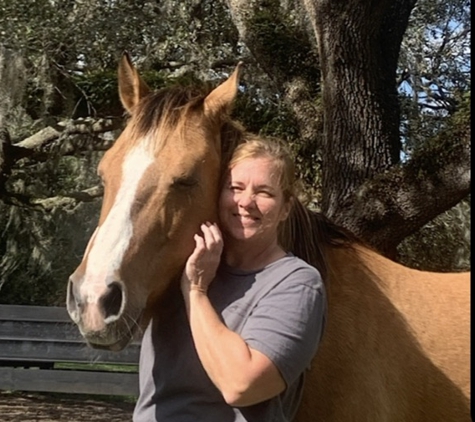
36,340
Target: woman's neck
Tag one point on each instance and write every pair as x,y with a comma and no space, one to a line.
242,255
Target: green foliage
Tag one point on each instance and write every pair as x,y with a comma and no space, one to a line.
443,244
435,64
281,34
39,251
97,94
462,117
70,52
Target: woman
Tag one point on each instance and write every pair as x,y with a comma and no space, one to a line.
253,314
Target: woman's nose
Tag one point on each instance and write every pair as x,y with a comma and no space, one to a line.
246,199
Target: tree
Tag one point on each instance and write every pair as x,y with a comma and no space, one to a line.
434,68
374,104
366,187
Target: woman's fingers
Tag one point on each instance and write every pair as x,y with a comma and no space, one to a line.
201,266
200,244
212,236
216,233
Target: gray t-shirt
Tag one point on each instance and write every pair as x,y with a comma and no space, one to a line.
279,310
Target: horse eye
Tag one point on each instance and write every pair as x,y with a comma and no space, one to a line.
184,182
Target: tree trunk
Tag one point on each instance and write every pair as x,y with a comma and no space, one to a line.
358,43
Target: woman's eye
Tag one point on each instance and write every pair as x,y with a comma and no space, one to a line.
265,193
235,188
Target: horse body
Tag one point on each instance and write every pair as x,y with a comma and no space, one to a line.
396,346
396,343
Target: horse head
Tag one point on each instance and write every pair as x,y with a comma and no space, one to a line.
161,181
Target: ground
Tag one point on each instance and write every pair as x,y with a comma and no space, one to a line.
37,407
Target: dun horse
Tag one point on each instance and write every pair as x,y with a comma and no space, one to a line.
396,346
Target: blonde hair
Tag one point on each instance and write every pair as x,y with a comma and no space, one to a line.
276,151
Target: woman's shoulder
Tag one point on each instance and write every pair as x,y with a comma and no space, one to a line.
293,268
296,263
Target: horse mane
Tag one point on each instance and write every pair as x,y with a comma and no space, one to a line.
165,109
169,108
308,234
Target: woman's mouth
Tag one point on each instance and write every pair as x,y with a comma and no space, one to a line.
246,217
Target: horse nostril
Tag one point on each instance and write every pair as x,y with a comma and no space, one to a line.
72,303
111,301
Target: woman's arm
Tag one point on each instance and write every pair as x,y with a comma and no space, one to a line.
243,375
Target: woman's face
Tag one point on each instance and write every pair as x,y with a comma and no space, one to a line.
252,204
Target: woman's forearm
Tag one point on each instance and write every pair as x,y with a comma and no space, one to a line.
244,376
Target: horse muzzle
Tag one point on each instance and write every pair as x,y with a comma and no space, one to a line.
99,310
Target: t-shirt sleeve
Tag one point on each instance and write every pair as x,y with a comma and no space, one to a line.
286,325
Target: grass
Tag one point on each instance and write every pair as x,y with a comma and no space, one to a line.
97,367
40,396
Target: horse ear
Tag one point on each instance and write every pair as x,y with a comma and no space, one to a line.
222,97
131,86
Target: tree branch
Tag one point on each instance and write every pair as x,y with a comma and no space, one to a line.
69,127
67,201
34,148
397,203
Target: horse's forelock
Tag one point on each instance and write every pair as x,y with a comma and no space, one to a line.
164,110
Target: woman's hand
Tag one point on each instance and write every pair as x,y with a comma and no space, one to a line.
202,264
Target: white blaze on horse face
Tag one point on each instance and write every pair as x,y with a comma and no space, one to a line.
112,237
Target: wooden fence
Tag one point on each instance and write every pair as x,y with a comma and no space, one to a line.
36,340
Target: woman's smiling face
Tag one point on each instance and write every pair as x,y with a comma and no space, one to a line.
252,204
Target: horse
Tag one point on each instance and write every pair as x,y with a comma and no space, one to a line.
397,340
